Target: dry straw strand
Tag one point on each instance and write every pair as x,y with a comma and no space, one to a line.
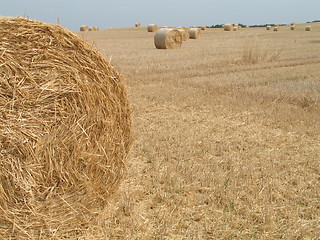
167,38
64,131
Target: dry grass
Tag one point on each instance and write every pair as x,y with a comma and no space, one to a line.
226,139
64,131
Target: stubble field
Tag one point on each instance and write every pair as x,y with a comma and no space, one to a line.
226,136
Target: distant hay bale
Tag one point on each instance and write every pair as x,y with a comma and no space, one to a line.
64,131
168,38
293,24
235,28
308,28
203,28
239,27
84,28
194,33
138,25
228,27
152,27
184,33
275,29
292,27
268,27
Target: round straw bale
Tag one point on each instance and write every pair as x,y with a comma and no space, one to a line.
203,28
167,38
184,33
268,27
64,131
138,25
84,28
292,27
308,28
194,33
235,28
275,29
152,27
228,27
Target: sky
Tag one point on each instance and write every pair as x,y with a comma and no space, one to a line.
125,13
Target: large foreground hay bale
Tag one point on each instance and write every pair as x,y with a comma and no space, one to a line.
194,33
64,131
152,27
184,33
228,27
308,28
167,38
84,28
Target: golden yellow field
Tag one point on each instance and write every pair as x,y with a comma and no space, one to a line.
226,130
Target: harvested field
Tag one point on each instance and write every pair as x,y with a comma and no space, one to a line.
226,141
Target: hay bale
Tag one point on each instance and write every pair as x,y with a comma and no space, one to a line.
293,24
84,28
235,29
152,27
308,28
228,27
275,29
194,33
64,131
137,25
292,27
184,33
203,28
167,38
268,27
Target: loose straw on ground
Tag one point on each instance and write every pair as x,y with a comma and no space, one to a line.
64,131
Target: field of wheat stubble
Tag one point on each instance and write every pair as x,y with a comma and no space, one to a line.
226,135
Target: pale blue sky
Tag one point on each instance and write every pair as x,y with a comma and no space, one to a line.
125,13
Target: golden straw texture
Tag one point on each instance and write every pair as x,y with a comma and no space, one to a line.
152,27
194,33
228,27
167,38
184,33
64,131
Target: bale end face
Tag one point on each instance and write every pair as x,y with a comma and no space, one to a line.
168,38
194,33
228,27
